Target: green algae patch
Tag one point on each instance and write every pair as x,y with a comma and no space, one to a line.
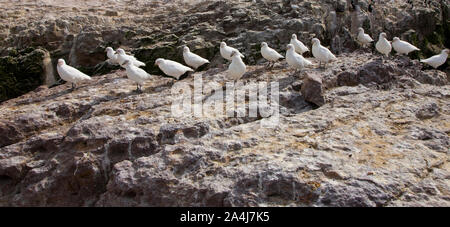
21,72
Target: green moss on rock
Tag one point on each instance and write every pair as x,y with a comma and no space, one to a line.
20,73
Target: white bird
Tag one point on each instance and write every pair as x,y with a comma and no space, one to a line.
403,47
172,68
295,60
437,60
363,38
237,67
321,53
270,54
135,74
226,51
298,45
112,56
70,74
122,57
192,59
383,45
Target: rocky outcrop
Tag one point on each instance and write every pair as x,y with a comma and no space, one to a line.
380,138
312,89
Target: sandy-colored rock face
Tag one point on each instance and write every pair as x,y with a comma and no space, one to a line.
362,132
381,138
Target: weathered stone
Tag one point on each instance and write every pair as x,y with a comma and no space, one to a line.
312,89
379,138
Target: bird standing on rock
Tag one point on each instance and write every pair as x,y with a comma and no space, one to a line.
437,60
298,45
136,74
383,45
192,59
237,67
70,74
321,53
270,54
226,51
172,68
403,47
122,57
295,60
364,38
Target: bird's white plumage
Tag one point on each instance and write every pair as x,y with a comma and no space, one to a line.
364,38
298,45
296,60
383,45
192,59
136,74
69,73
269,53
321,53
403,47
122,57
237,67
437,60
112,56
172,68
226,51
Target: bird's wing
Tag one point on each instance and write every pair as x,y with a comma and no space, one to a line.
176,67
234,49
325,52
409,45
142,73
138,63
368,38
431,59
275,53
197,58
75,72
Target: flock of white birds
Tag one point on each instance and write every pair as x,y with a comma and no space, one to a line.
237,68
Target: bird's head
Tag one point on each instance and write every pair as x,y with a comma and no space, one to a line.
126,63
120,51
234,53
383,35
158,61
263,44
185,49
290,47
395,39
61,62
361,29
223,44
294,36
446,51
315,41
108,49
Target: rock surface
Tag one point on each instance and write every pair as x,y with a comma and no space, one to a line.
381,138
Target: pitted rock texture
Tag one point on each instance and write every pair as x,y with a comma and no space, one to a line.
380,138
